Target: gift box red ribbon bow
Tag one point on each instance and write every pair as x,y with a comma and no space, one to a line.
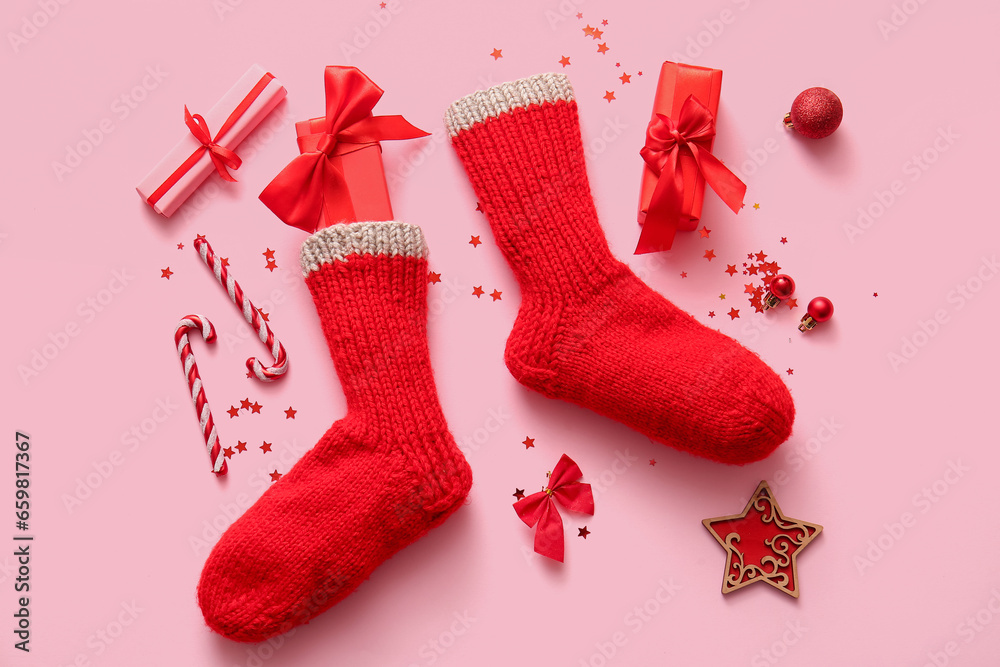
312,184
665,139
540,508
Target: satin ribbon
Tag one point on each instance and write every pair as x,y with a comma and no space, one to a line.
312,185
221,156
540,508
666,139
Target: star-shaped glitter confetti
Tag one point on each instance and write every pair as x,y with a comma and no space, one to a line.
496,295
731,269
228,452
271,266
792,303
711,313
588,31
784,239
518,493
433,278
790,371
704,231
255,408
497,54
268,254
684,274
761,256
166,273
597,34
604,22
583,532
275,476
265,446
626,78
478,291
733,313
564,61
290,413
180,246
263,315
602,48
241,446
609,95
528,443
761,544
475,242
710,255
245,404
233,411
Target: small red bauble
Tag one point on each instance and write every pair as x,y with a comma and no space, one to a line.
780,288
815,113
819,310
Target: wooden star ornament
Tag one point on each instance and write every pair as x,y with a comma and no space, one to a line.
761,544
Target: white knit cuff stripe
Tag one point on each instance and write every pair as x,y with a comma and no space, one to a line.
490,103
338,242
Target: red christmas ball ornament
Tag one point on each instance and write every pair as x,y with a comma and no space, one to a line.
819,310
815,113
779,289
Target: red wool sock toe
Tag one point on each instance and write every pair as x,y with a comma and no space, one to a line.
379,478
588,330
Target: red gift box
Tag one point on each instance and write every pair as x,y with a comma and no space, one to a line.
338,175
678,156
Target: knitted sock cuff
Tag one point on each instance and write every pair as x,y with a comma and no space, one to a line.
339,242
490,103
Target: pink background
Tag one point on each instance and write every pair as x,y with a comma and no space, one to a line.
869,438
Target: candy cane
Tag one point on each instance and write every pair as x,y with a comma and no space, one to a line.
252,315
197,389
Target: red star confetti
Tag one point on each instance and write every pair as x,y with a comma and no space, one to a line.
609,95
166,273
684,274
475,242
761,544
265,446
704,231
497,54
241,446
652,462
604,22
792,303
625,78
564,61
588,31
233,411
255,408
268,254
583,532
528,443
518,493
263,315
597,33
479,207
711,313
200,236
180,246
381,5
784,239
579,15
710,255
433,277
275,476
749,288
731,269
228,452
733,313
875,294
761,256
790,371
478,291
245,404
290,413
271,266
496,295
602,48
224,261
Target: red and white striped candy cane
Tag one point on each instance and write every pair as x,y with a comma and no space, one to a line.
201,323
252,315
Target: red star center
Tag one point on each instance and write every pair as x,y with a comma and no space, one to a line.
478,291
268,254
241,446
528,443
289,413
731,269
265,446
275,476
475,242
761,544
496,295
233,411
710,255
166,273
433,277
255,408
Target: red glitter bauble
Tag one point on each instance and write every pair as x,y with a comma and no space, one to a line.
820,309
815,113
782,286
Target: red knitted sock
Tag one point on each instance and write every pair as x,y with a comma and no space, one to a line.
588,330
379,478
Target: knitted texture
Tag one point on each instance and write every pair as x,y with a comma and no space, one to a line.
379,478
588,330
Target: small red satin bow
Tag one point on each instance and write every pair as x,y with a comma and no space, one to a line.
539,508
312,183
221,157
665,139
